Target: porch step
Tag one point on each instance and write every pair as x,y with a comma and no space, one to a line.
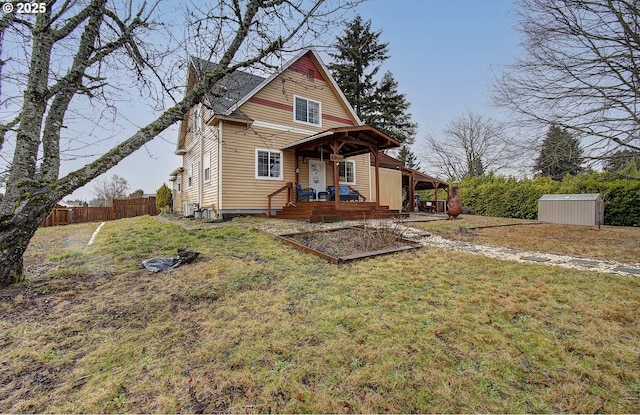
327,212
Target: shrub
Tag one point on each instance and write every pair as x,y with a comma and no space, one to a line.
163,198
508,197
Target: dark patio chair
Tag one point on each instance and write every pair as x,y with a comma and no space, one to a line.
305,194
345,193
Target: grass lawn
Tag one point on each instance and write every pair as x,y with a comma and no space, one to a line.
256,326
609,242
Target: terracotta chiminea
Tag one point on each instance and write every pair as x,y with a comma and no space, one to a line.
455,208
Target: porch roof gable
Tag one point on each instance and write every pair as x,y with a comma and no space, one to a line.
355,140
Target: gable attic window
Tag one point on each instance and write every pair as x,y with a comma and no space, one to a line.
268,164
306,111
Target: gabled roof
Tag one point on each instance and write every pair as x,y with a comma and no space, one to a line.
229,90
233,90
326,74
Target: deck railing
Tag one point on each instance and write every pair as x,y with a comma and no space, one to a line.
288,187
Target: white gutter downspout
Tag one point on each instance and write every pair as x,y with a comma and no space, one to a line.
220,169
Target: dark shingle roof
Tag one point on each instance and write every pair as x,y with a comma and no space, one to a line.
230,89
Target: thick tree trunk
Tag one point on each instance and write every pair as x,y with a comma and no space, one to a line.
15,233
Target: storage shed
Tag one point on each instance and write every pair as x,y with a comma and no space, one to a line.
572,209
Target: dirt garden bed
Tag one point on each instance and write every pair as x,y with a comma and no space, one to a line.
350,243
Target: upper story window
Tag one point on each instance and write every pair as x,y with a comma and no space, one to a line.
306,111
197,118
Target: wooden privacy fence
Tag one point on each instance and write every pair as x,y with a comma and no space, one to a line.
58,216
92,214
122,208
129,208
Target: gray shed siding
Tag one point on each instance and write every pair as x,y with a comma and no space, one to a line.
571,209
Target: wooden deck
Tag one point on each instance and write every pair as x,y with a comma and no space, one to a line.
326,211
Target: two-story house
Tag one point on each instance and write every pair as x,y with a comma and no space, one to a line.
254,138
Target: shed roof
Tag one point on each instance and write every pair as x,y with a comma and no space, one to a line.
572,197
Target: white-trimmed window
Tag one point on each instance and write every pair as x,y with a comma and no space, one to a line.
197,118
347,172
179,183
268,164
192,172
306,111
206,161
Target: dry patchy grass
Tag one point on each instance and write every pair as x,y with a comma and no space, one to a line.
609,242
256,326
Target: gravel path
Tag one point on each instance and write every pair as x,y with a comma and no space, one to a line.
521,255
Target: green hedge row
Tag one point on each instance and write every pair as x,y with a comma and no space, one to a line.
508,197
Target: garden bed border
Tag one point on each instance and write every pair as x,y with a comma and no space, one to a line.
286,238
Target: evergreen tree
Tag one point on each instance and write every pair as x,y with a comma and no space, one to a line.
623,160
136,194
355,67
560,154
408,158
164,198
475,167
357,61
391,114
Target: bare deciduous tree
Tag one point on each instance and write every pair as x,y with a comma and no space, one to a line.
108,189
470,145
580,70
85,51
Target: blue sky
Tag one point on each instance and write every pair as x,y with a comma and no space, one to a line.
443,54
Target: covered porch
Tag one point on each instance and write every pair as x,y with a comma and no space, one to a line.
332,147
414,180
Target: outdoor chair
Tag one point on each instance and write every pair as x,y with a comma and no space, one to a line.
345,193
306,193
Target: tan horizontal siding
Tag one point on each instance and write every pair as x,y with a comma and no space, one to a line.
210,188
240,188
390,187
274,105
282,90
363,184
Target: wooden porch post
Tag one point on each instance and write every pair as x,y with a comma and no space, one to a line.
336,177
412,191
446,208
435,194
297,166
336,184
377,164
335,148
